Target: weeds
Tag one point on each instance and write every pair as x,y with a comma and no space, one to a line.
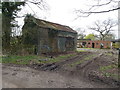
37,59
104,68
18,59
57,59
109,54
81,61
111,75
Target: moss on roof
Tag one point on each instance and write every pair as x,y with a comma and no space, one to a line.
55,26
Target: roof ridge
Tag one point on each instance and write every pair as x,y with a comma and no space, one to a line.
52,22
56,26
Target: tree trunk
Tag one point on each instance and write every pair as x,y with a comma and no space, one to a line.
6,30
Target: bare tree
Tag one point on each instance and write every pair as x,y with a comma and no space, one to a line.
104,28
110,36
95,9
81,33
39,3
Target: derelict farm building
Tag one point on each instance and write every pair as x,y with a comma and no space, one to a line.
48,36
93,43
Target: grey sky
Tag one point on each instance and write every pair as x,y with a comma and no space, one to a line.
62,12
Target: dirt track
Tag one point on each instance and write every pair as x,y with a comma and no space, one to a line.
25,77
64,74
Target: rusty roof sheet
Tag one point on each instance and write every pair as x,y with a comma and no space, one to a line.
47,24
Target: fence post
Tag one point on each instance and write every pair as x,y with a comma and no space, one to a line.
119,65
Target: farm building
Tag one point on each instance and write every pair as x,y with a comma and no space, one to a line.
93,43
48,37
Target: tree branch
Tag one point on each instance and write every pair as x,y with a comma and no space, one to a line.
99,5
103,28
102,11
91,10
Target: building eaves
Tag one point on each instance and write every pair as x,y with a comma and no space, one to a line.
47,24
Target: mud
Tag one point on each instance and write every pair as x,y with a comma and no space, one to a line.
62,74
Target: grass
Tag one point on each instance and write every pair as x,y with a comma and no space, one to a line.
113,55
109,54
18,59
95,48
81,61
81,51
15,59
104,68
90,48
105,71
111,75
0,59
56,59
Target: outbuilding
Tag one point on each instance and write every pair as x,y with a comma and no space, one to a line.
49,36
87,43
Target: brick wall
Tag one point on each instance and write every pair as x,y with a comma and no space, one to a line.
94,44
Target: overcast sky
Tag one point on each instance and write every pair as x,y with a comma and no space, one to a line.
62,12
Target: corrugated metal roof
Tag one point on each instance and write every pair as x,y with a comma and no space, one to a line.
47,24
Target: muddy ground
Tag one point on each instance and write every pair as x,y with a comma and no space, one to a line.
80,71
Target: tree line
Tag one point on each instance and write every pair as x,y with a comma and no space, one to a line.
14,44
103,28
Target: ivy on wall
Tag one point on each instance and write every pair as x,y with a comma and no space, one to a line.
52,33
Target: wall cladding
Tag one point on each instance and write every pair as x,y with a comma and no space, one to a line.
55,41
50,37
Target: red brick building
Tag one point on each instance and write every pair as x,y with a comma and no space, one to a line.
93,44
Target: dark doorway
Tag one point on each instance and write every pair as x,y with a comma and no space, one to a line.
93,45
84,43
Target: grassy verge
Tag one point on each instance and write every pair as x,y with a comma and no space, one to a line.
15,59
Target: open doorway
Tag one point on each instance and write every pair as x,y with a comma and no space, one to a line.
93,45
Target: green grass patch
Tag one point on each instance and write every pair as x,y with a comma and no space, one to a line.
57,59
90,48
109,54
0,59
105,73
83,60
104,68
111,75
37,59
18,59
81,51
113,55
